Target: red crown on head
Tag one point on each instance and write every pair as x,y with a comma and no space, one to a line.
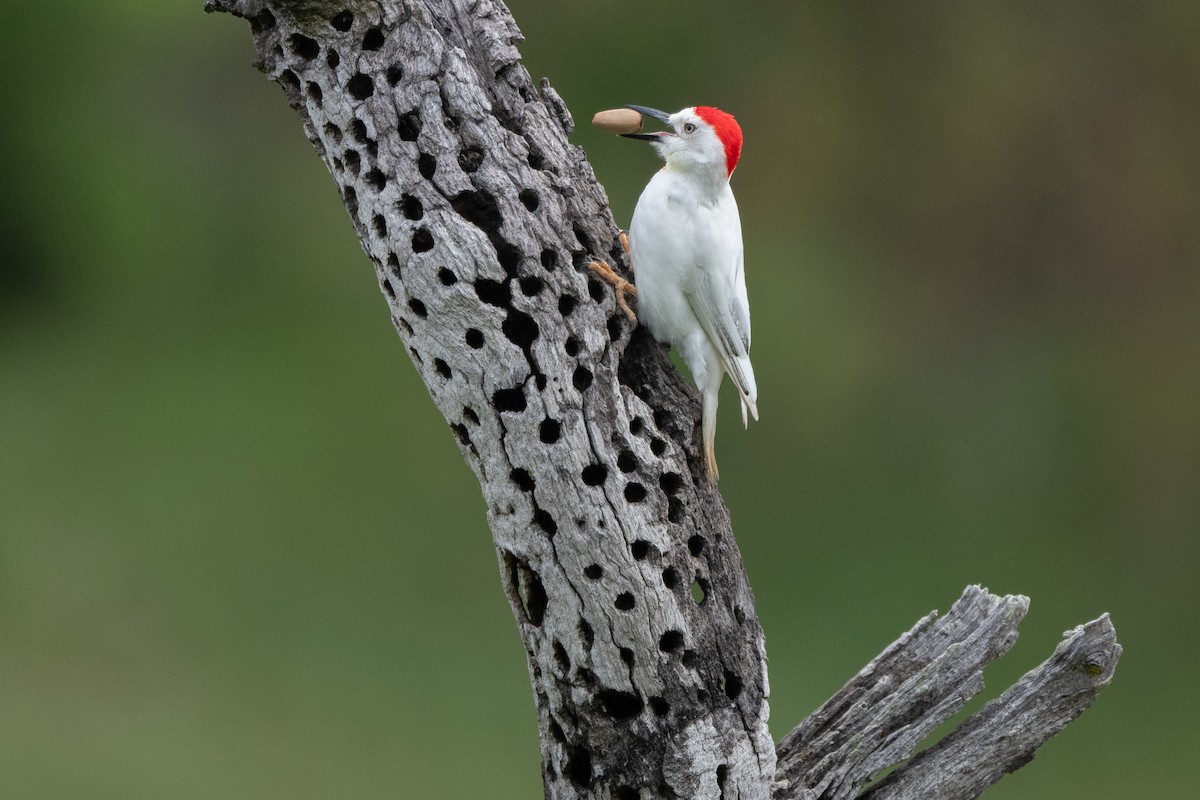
727,130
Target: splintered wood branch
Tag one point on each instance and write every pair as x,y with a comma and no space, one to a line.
1003,735
880,716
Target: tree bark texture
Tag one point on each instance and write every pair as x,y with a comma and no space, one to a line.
644,650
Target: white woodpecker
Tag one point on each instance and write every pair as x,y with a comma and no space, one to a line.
685,243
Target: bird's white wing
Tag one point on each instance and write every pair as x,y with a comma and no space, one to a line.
723,324
741,303
719,303
717,294
741,315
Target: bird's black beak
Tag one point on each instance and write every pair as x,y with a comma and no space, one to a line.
661,116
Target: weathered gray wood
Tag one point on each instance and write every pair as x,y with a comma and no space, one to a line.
880,716
1003,735
479,217
877,719
645,653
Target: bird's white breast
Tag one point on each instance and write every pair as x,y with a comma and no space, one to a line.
682,232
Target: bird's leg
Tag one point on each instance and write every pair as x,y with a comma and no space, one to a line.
621,287
708,427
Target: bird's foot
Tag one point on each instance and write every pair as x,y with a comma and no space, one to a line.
621,287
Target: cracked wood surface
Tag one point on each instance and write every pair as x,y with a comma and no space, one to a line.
882,714
644,649
1003,735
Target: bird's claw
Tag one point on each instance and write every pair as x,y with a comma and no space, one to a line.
621,287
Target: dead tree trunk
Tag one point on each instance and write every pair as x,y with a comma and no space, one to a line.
645,653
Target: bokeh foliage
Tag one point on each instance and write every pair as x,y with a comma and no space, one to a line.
240,556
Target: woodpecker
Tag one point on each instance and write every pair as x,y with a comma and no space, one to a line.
685,244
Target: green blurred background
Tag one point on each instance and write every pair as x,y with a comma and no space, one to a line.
240,556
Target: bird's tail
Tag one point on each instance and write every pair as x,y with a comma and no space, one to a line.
743,378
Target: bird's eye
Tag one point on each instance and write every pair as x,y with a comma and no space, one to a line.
689,127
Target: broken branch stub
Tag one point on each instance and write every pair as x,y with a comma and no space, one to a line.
882,714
